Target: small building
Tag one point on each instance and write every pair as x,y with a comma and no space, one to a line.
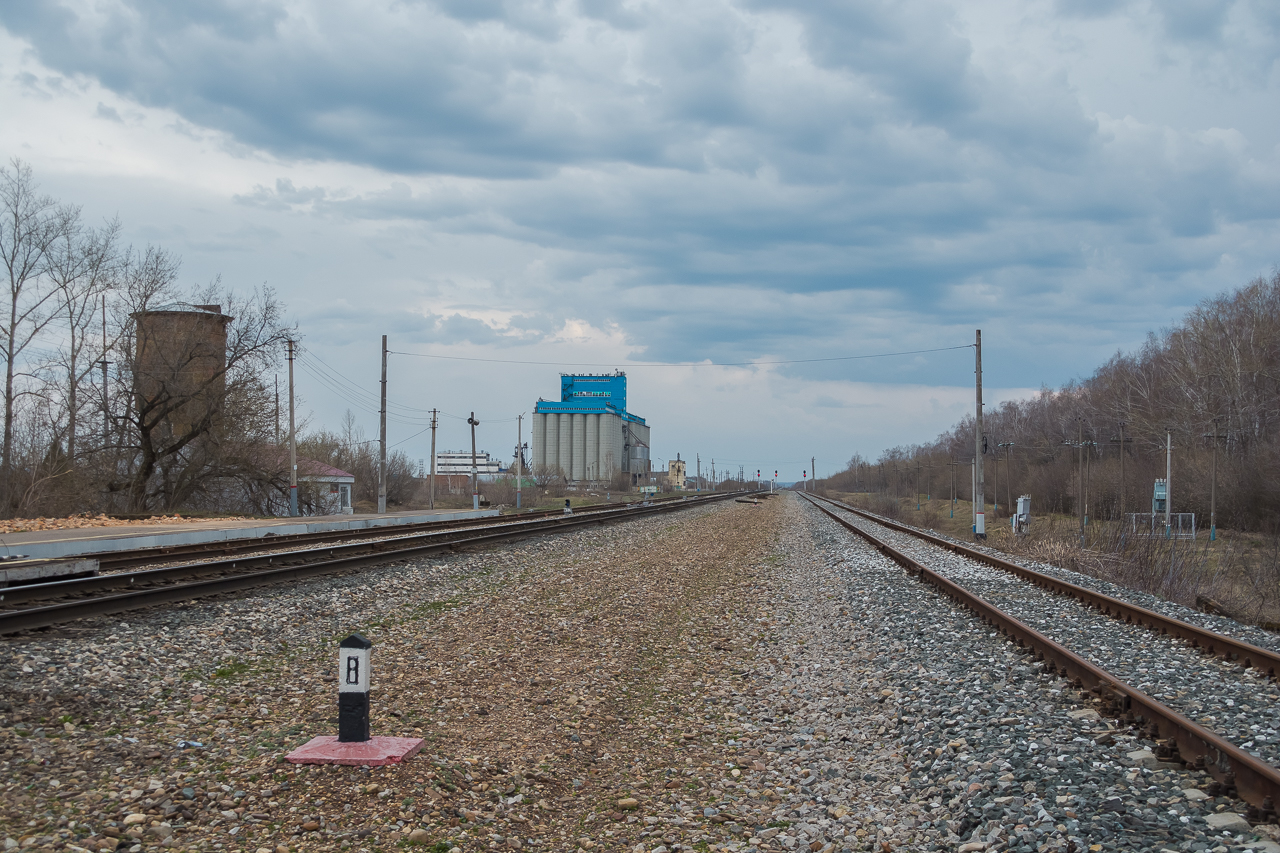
676,473
325,490
588,434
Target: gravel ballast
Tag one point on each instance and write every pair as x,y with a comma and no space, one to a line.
1239,704
730,677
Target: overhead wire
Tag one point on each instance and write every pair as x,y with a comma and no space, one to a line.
690,364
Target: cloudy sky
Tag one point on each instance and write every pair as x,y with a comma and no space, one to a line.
647,183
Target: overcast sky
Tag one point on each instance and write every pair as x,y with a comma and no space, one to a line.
609,183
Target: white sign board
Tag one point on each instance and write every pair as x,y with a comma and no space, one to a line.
353,670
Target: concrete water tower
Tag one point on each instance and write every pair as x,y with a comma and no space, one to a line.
180,361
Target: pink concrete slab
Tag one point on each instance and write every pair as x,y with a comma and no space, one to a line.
377,751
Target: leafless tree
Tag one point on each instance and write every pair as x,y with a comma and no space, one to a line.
83,266
30,226
197,416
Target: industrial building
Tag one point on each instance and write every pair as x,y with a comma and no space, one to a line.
588,434
676,473
459,462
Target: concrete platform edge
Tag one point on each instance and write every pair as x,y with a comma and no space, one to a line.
100,542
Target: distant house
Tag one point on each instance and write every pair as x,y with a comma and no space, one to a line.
329,487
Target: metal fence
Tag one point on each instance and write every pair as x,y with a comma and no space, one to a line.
1182,525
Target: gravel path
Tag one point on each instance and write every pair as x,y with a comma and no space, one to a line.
727,678
1241,705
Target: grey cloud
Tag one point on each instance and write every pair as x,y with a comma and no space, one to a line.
108,113
1194,20
696,146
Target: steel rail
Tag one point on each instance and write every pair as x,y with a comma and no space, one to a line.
387,544
1255,781
117,560
1237,651
65,611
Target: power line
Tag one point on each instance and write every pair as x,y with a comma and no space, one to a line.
680,363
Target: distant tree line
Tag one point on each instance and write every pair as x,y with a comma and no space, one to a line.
87,426
1211,380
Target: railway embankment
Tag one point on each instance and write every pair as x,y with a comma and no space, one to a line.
731,677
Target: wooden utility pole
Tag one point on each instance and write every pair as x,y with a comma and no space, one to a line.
382,436
277,378
814,471
979,497
475,472
293,444
432,488
917,485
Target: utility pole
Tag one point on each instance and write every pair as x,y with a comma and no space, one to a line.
1122,441
1088,477
1080,476
1008,469
382,436
475,472
1168,485
917,485
293,443
954,467
277,378
713,474
106,403
1122,482
1213,487
813,469
432,489
519,455
698,460
979,498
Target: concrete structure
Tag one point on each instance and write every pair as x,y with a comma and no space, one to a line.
676,473
181,358
589,434
62,544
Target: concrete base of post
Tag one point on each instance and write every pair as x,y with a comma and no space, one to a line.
374,752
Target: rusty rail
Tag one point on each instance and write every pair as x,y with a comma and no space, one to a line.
1252,779
1229,648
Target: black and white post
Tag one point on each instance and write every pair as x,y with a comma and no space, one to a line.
353,689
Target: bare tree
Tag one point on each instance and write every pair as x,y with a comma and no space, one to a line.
30,225
199,409
83,264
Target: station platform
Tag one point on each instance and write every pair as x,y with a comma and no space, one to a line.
53,544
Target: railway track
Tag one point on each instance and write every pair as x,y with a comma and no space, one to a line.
114,561
24,608
1134,644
